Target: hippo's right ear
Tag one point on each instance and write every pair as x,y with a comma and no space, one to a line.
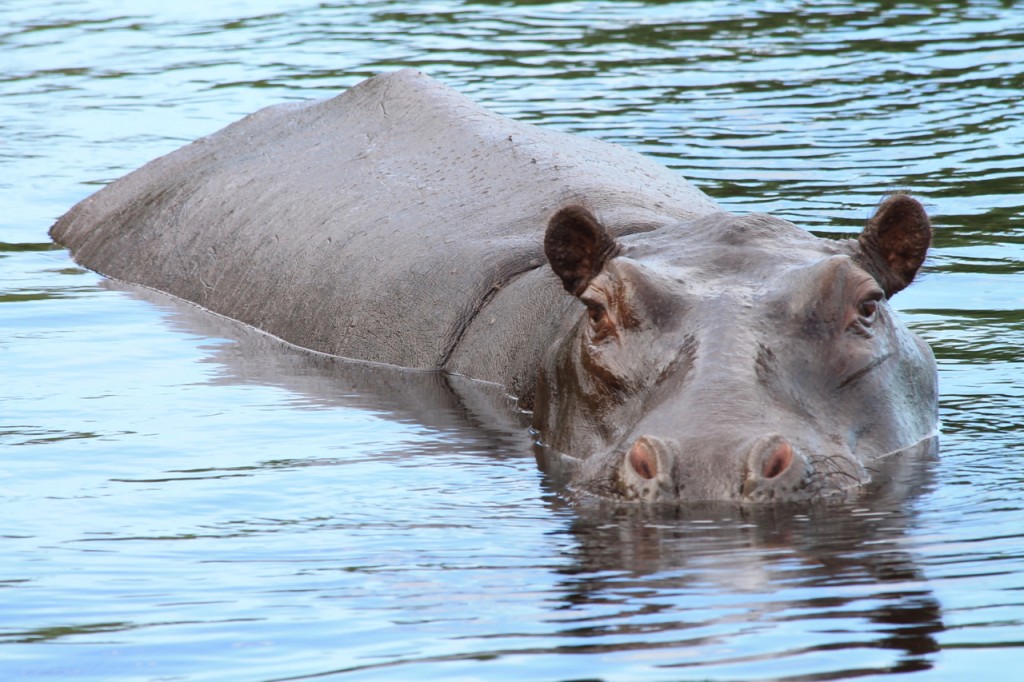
895,242
577,247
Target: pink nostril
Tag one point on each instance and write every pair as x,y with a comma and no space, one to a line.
778,461
643,459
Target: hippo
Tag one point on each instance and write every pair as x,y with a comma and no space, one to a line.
669,351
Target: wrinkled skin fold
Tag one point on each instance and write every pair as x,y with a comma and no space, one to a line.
669,351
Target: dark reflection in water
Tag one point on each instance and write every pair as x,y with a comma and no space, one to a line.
644,568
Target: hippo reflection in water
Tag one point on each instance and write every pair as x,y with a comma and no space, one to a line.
698,355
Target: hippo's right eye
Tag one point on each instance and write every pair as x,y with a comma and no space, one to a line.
602,325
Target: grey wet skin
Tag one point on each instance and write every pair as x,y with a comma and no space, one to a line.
675,351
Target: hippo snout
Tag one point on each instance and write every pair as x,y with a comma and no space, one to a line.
771,468
654,469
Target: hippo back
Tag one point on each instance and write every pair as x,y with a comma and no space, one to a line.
375,225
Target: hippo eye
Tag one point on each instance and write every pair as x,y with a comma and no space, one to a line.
601,324
868,308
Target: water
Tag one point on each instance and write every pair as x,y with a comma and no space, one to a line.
183,500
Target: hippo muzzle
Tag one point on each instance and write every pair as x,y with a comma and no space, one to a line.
766,470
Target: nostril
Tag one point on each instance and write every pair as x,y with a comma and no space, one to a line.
775,469
643,459
778,460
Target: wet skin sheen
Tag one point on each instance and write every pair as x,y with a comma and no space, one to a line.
670,351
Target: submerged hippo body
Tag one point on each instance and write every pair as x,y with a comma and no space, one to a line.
698,355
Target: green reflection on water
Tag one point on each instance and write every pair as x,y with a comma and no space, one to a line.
6,247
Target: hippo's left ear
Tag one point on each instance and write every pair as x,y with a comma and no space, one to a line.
895,242
577,247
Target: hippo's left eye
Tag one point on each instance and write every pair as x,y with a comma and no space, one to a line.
868,308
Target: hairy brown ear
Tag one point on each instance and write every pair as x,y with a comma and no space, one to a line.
577,247
895,242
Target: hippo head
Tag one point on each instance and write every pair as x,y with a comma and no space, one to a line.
736,357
